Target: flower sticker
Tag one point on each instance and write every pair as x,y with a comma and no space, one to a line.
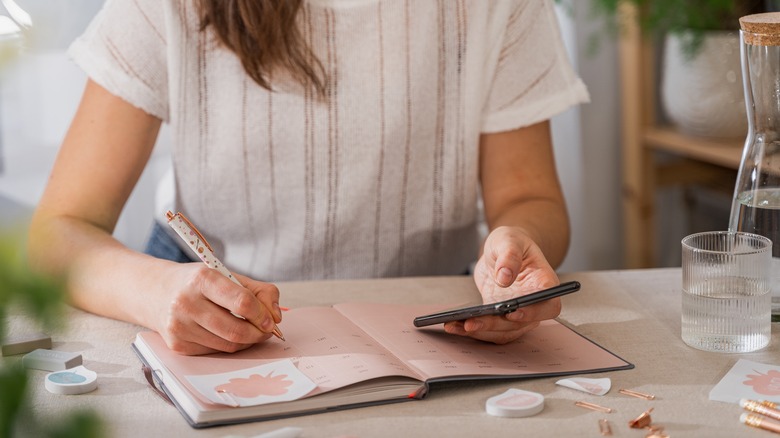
591,386
271,382
764,383
256,385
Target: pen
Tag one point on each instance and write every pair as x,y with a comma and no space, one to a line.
759,422
192,237
759,408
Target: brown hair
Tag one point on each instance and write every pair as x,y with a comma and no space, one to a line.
264,34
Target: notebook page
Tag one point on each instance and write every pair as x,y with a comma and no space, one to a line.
322,344
552,348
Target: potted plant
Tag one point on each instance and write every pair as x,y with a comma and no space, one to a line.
41,300
700,79
691,20
38,299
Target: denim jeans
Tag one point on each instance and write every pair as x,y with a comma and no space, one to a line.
164,246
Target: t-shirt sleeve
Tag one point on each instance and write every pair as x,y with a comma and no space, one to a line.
533,79
124,50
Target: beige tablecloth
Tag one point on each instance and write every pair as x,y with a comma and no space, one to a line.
635,314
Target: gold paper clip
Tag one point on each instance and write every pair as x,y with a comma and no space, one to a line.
642,421
604,427
593,407
637,394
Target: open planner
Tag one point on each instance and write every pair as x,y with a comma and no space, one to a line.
351,355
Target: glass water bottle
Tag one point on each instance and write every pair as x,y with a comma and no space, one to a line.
756,205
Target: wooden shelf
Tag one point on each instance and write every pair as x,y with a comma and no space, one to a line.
699,160
725,153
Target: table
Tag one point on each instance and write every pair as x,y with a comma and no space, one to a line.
633,313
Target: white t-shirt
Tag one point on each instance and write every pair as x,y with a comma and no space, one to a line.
381,178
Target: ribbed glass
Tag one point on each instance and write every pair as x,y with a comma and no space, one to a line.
726,291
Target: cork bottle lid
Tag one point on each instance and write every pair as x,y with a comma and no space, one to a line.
761,29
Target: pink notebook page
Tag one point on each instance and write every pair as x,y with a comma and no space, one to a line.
326,347
550,348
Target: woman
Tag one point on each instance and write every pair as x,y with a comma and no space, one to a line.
312,139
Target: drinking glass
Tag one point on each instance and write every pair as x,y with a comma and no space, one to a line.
726,291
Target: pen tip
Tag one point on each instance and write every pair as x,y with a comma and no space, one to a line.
278,334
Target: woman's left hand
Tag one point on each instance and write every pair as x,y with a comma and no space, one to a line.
511,265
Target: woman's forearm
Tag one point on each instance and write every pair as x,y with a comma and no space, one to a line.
545,221
520,188
101,275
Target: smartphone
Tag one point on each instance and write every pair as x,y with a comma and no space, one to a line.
500,308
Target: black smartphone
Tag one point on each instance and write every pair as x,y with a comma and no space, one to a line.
500,308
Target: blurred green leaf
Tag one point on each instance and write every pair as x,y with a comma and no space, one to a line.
77,425
42,299
13,383
689,18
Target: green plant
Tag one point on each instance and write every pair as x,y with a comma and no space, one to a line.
41,299
689,19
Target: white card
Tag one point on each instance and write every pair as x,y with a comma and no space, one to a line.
591,386
749,380
270,383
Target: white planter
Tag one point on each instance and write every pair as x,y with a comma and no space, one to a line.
703,96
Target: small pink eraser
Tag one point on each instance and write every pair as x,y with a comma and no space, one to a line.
51,360
25,343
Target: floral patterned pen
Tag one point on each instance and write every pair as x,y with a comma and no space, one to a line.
192,237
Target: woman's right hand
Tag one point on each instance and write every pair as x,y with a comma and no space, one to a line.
197,318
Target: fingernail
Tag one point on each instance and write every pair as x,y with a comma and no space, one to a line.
267,325
505,277
455,327
517,315
278,311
